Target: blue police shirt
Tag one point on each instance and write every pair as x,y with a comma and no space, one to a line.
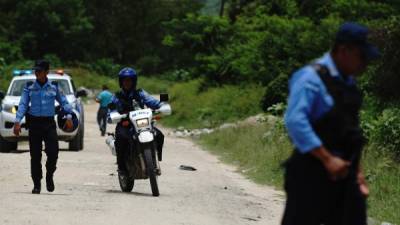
42,101
145,98
308,101
104,98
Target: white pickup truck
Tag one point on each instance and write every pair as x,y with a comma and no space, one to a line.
9,106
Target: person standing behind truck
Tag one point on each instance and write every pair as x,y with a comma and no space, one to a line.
103,98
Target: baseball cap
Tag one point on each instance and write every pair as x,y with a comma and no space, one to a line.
354,33
41,65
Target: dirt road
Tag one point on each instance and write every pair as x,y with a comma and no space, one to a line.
87,189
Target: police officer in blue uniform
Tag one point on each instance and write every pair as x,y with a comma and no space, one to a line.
40,120
323,178
122,102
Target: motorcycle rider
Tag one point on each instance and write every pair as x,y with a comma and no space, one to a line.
122,103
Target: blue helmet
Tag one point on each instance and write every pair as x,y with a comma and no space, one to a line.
127,72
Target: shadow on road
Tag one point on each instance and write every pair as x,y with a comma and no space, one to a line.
27,150
15,152
42,193
129,193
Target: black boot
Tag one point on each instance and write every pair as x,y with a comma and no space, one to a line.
49,183
36,187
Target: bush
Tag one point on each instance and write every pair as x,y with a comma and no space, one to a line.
255,49
9,52
55,62
177,75
275,92
385,80
191,42
92,80
6,72
385,131
149,64
106,67
154,85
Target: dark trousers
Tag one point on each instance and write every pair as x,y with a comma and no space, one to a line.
102,118
122,137
43,129
314,199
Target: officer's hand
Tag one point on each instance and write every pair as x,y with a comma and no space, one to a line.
337,167
68,125
125,123
362,183
17,129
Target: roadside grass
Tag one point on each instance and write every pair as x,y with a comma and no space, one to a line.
193,108
383,176
154,85
93,80
259,150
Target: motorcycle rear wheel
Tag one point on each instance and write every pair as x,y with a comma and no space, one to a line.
126,183
150,168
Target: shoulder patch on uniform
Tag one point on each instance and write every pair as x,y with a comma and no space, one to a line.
321,69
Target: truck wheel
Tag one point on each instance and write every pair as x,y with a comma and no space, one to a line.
81,138
74,144
7,146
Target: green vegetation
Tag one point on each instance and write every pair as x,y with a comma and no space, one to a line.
84,76
219,68
195,108
87,30
6,72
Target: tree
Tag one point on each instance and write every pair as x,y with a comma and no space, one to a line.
58,27
129,30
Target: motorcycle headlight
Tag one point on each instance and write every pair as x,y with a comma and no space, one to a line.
142,123
10,108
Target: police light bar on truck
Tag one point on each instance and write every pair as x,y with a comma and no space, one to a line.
59,72
30,72
22,72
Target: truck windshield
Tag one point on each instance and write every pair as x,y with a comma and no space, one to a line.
18,86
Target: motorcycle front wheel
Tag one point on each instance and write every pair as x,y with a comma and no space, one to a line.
150,168
125,183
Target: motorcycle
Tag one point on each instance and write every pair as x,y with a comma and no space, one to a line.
142,159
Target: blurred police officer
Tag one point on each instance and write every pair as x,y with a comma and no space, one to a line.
103,98
323,180
41,94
